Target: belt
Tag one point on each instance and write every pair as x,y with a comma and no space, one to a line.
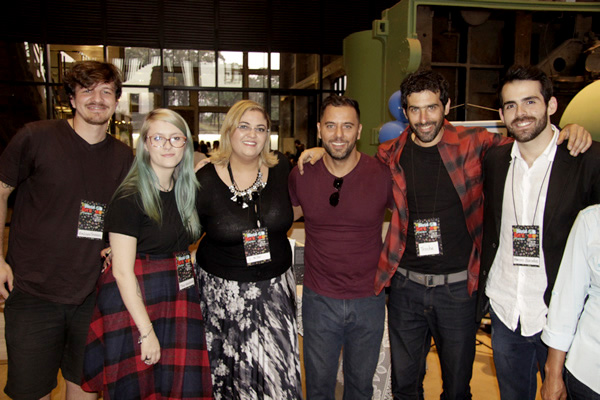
433,280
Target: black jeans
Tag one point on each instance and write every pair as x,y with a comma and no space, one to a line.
417,313
578,390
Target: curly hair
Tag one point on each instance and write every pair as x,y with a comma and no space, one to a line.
424,79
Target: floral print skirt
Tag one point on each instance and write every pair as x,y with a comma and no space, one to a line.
252,337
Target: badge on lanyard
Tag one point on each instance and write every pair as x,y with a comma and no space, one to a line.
185,269
428,237
256,246
526,245
91,220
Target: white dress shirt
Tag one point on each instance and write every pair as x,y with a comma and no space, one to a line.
574,322
516,293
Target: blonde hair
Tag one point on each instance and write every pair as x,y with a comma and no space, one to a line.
230,124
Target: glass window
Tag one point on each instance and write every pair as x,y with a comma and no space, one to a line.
188,67
274,61
207,71
230,68
178,98
210,123
209,99
62,56
275,108
258,97
258,61
218,99
139,65
258,81
180,67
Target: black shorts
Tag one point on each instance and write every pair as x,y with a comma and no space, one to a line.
41,337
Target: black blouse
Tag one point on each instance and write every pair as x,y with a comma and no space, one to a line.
221,251
126,216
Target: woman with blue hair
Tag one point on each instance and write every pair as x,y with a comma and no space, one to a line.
146,339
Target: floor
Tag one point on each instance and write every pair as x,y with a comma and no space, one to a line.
483,384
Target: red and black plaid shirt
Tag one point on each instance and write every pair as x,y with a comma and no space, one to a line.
462,150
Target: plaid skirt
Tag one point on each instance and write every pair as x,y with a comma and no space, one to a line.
112,356
252,337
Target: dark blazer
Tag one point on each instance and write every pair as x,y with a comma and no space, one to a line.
574,184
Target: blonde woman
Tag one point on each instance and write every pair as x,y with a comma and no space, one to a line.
247,284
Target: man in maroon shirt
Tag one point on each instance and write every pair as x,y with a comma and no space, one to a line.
343,199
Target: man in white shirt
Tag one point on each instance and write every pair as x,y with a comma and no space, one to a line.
573,327
533,191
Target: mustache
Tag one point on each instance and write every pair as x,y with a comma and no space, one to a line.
523,119
95,103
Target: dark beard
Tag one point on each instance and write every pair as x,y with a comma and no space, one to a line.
339,157
538,128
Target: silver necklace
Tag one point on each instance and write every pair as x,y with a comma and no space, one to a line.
244,197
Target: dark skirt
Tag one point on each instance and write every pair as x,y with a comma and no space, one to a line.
112,355
252,337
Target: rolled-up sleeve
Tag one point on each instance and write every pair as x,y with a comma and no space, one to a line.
572,285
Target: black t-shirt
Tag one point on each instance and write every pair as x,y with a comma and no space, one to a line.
427,179
126,216
221,251
54,169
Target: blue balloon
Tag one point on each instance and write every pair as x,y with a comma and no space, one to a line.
395,106
391,130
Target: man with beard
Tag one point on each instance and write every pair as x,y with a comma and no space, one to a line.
343,198
533,192
66,172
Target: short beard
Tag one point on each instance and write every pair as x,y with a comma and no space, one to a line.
339,157
427,138
539,127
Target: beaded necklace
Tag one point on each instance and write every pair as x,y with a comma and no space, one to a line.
243,197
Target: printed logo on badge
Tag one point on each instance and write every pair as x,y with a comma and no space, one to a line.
526,245
91,220
428,237
256,246
185,269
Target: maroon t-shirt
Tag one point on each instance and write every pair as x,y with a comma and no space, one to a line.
343,243
53,170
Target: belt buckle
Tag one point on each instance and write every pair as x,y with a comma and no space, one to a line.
429,281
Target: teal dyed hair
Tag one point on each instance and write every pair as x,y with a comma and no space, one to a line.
142,179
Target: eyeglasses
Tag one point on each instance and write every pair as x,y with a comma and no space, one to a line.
334,199
245,128
160,141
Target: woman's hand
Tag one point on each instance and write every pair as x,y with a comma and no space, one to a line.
106,255
150,349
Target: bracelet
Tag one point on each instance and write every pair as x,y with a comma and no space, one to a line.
142,337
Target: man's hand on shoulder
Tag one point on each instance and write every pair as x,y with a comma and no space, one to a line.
311,155
579,139
6,279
